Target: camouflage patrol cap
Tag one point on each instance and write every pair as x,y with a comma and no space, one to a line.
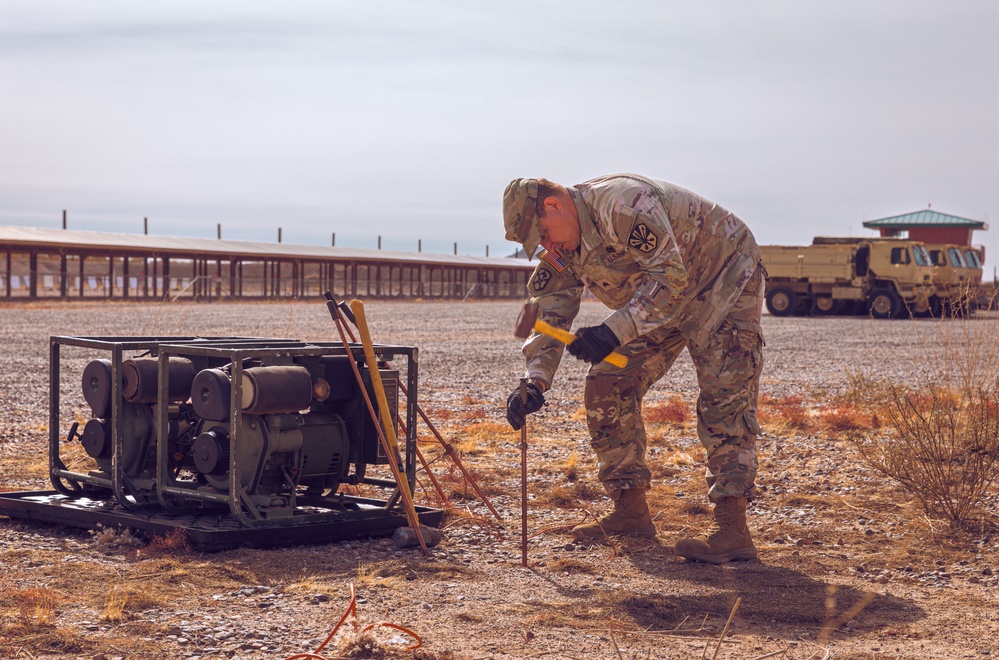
519,216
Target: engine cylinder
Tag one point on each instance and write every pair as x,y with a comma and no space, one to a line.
211,452
141,375
97,386
96,439
211,394
277,389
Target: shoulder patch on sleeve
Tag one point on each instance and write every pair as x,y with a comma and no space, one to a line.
541,278
643,238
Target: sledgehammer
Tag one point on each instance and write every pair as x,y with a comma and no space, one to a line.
528,320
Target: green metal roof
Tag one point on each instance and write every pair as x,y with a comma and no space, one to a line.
925,218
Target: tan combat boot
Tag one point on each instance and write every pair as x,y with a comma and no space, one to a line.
630,516
726,540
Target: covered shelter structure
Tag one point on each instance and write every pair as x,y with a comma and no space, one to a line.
70,264
928,226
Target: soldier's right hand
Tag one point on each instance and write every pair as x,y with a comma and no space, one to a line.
517,411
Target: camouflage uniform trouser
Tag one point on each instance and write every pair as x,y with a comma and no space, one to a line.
728,373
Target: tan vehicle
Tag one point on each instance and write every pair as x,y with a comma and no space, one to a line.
885,277
957,276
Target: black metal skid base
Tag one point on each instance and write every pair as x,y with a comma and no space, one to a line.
353,518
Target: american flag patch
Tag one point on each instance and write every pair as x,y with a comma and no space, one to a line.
557,261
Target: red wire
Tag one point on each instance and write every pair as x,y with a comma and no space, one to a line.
352,610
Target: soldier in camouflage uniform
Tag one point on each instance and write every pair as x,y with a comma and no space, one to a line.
680,272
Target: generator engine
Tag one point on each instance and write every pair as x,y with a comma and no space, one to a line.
302,422
234,440
136,432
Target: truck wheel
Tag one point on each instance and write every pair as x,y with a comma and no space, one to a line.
936,307
884,304
782,301
930,310
826,306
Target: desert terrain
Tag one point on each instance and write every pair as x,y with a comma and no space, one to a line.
850,565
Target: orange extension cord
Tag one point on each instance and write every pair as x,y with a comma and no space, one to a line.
352,610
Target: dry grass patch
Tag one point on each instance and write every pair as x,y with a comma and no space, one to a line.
847,419
173,542
36,642
674,411
115,539
819,501
571,468
573,496
572,614
572,565
480,437
371,576
783,414
425,569
34,606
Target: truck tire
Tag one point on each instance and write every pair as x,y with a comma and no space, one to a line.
826,306
932,310
782,301
884,304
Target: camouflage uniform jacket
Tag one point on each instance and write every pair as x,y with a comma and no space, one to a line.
659,255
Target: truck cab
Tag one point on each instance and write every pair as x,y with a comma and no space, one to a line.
957,275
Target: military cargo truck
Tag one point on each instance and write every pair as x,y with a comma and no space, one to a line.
956,280
885,277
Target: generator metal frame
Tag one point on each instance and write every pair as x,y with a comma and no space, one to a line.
212,520
118,483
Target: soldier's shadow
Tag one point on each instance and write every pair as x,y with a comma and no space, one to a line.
771,595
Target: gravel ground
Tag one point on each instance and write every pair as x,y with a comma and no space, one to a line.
850,567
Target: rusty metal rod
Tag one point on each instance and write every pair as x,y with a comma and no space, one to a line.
448,448
523,477
426,467
453,455
401,485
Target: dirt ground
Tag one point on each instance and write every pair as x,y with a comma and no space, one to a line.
850,566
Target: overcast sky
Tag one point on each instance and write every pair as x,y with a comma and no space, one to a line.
407,119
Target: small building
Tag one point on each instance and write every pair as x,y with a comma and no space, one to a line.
928,226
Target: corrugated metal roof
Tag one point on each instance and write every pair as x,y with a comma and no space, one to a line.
926,218
139,244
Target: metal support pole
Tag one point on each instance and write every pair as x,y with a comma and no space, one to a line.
523,477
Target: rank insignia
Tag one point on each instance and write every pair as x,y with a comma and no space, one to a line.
642,238
541,279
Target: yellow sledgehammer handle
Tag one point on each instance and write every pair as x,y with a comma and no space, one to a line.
566,337
357,307
387,422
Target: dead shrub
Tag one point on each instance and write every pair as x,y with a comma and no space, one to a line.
36,605
939,400
115,539
172,542
572,467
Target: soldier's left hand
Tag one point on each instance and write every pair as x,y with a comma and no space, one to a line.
593,343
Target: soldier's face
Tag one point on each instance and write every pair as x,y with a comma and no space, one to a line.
559,228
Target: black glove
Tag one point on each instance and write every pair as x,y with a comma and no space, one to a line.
594,343
517,411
